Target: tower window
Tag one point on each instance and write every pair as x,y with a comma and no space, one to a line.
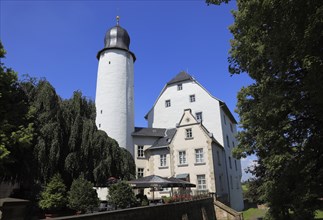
101,111
228,141
224,119
192,98
99,125
231,127
235,165
109,62
167,103
179,87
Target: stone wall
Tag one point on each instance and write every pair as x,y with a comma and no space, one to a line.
191,210
224,212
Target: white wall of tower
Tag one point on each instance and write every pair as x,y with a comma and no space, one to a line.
115,96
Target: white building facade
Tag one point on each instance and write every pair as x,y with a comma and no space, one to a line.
183,108
184,92
115,88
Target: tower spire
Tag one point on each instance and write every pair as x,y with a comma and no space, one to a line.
118,18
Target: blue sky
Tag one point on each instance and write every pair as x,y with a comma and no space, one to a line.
59,40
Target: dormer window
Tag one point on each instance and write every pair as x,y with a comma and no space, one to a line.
179,86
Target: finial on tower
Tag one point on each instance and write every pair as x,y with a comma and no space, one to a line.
118,18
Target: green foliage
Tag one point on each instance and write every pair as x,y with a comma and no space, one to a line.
53,197
16,127
121,195
82,196
279,45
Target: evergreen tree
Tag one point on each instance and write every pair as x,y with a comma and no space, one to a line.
82,197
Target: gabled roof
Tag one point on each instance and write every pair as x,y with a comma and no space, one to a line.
149,132
182,76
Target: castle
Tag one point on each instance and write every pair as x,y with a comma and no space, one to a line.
190,133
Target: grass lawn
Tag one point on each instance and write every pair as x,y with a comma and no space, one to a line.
254,213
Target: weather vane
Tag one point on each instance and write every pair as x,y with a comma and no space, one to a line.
118,18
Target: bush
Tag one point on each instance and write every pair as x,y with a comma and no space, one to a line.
82,197
53,197
121,195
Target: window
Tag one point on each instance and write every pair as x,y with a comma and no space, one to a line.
99,125
230,164
101,111
167,103
199,157
219,160
228,141
233,144
189,133
192,98
235,165
182,157
201,182
199,116
231,127
140,172
140,151
179,87
221,183
231,182
224,119
163,160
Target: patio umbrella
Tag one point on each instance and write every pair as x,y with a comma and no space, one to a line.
150,181
175,182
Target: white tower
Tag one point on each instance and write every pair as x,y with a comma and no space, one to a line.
114,91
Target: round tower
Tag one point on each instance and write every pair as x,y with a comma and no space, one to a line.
115,87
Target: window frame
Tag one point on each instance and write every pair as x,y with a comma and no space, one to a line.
168,103
140,151
188,133
199,155
199,116
192,98
201,182
140,172
182,157
163,160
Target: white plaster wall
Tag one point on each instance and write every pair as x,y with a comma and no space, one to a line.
236,198
115,96
162,117
147,142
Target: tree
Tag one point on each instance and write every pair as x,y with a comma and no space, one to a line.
53,197
279,44
121,195
16,127
82,197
